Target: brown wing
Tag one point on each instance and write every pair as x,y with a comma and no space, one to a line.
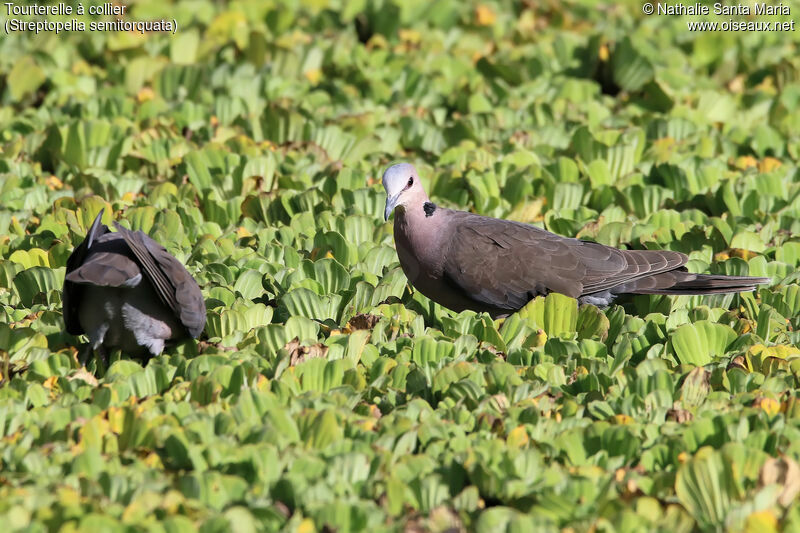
106,269
72,293
176,288
505,264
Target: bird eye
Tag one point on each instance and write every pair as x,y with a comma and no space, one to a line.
410,181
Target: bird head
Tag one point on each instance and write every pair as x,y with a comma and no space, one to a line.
403,188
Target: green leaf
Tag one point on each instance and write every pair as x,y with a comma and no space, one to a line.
556,313
706,487
631,70
248,284
700,343
306,303
320,430
37,283
592,322
25,77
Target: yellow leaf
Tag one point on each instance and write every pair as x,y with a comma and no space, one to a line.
664,147
81,67
745,161
529,211
539,338
526,23
664,143
377,41
17,227
145,94
68,496
761,522
13,438
262,383
409,36
781,351
770,406
603,53
50,383
306,526
768,164
484,16
241,232
154,461
767,85
172,501
229,25
742,253
53,183
116,419
313,75
517,437
623,420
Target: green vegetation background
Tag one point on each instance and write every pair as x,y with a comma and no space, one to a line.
325,393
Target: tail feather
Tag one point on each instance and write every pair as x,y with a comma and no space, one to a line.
682,282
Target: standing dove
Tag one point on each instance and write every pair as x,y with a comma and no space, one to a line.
124,290
467,261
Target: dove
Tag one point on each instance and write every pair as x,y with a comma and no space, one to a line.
124,290
466,261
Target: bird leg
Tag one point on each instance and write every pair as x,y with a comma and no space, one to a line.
98,352
102,354
85,354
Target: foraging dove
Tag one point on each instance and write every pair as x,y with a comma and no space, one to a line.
466,261
124,290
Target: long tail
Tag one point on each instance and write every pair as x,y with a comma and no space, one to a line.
682,282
